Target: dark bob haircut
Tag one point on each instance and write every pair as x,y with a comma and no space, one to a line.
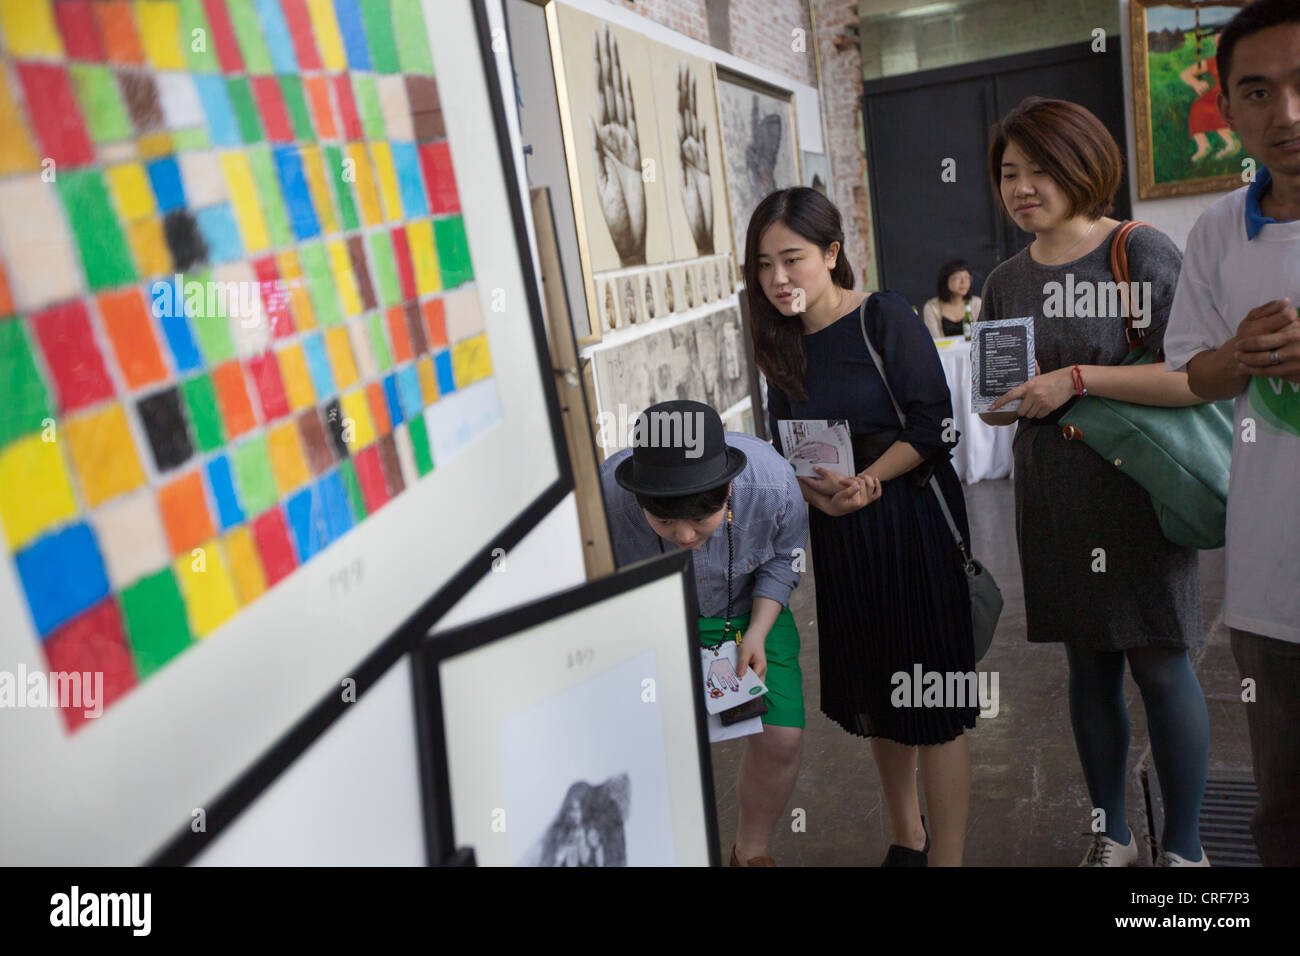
1251,19
1069,144
946,272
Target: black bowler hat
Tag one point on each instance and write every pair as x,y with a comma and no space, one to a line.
660,465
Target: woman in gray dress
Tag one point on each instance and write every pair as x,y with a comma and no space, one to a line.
1099,576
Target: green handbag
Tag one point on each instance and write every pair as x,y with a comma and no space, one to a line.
1180,456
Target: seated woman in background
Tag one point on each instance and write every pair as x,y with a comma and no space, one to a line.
943,313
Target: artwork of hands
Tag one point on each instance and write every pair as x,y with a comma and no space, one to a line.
618,152
697,196
722,676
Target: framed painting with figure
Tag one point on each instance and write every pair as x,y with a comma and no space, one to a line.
1184,145
269,342
761,143
577,720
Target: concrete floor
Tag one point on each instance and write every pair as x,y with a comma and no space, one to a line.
1029,805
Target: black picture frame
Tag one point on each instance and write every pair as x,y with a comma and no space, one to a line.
226,806
435,779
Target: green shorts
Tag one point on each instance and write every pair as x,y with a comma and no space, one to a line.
784,679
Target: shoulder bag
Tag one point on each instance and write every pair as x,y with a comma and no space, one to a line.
1180,456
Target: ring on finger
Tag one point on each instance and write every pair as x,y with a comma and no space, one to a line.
1273,359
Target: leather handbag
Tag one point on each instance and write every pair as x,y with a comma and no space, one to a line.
985,595
1180,456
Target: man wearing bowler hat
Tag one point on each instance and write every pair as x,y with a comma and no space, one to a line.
735,502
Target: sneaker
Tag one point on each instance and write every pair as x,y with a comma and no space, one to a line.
1166,858
1106,852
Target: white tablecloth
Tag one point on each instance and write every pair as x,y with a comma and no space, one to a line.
983,451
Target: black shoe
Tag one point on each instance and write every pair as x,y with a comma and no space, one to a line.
906,856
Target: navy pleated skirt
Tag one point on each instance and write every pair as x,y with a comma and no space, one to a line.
891,595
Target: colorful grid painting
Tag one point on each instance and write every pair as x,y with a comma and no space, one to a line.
234,283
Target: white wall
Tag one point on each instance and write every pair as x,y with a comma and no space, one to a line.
1175,215
353,798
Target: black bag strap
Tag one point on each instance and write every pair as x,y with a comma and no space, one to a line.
902,421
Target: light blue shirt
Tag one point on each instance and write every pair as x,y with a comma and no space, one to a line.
769,523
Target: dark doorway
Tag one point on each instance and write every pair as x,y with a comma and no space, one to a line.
917,121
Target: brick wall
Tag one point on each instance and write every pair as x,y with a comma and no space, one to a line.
841,92
762,32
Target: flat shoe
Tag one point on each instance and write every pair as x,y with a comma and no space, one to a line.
753,861
905,856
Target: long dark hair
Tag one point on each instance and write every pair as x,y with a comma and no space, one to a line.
948,270
778,339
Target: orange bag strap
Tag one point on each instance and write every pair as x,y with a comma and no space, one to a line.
1119,269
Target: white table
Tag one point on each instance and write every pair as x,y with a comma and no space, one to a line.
983,451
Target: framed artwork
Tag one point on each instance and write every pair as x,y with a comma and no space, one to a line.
687,114
569,732
667,292
1184,145
702,359
761,143
643,145
271,345
629,299
685,283
607,297
653,302
705,288
607,109
817,172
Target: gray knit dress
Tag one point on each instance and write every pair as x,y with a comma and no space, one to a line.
1069,501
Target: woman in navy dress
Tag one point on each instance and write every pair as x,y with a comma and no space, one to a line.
891,592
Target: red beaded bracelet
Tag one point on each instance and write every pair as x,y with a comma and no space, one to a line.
1076,376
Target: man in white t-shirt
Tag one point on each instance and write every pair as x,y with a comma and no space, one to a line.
1235,330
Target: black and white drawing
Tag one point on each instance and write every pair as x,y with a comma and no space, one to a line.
608,306
759,136
588,829
586,776
723,370
687,285
693,150
617,147
817,172
701,359
631,306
